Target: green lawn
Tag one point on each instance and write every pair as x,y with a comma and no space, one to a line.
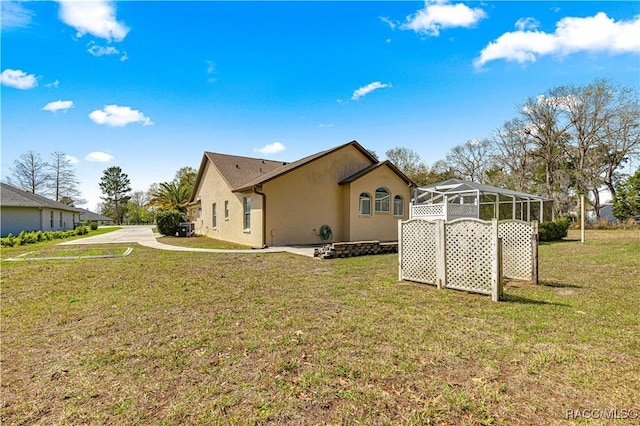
162,337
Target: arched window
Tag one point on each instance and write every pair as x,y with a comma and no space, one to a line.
364,204
398,206
382,200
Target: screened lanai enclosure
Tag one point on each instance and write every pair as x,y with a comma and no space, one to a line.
456,199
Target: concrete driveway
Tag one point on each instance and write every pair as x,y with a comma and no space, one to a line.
143,235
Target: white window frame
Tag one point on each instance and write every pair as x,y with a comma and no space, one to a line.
400,211
246,207
214,219
382,204
226,210
364,197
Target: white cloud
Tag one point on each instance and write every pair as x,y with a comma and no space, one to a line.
439,14
389,22
597,33
71,159
97,18
99,157
96,50
55,84
124,57
365,90
18,79
321,126
524,24
118,116
271,148
14,15
56,106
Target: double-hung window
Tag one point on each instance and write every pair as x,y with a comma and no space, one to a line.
246,201
215,215
226,210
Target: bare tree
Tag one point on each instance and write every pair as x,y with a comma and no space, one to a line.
513,158
410,163
472,160
549,135
30,173
63,183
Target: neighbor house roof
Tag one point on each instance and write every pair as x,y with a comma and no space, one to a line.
11,196
92,216
454,186
244,173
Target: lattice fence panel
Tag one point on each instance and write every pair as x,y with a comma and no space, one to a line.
468,256
418,251
517,249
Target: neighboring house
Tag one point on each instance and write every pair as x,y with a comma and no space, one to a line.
606,213
24,211
261,203
95,217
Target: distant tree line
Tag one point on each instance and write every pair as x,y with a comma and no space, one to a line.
570,141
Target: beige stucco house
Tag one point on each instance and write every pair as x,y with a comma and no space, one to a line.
260,202
24,211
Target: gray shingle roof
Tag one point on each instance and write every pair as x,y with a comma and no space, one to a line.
93,216
11,196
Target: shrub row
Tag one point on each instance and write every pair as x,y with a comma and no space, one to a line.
553,231
38,236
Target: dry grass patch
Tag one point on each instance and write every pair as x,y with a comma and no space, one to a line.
199,338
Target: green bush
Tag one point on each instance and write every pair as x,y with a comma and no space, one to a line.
38,236
8,241
168,221
93,225
553,231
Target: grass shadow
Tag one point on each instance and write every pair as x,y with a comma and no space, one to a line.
525,301
564,240
558,285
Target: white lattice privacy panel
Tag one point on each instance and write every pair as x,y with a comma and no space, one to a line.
519,249
418,251
463,254
468,255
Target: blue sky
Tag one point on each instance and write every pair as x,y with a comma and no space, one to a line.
150,86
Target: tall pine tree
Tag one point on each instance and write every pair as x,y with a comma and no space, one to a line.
115,186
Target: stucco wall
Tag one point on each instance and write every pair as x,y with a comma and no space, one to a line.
377,226
214,189
301,201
